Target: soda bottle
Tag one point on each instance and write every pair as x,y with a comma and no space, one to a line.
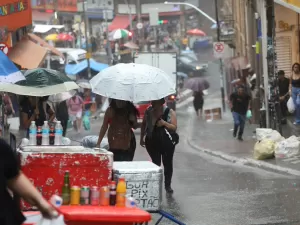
32,133
39,136
121,193
58,133
51,135
45,133
66,192
112,193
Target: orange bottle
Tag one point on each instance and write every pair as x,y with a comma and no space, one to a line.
121,193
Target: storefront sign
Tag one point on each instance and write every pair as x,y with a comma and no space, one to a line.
67,6
15,14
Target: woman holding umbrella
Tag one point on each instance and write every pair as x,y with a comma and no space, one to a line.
119,119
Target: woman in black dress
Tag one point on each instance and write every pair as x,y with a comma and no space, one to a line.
198,103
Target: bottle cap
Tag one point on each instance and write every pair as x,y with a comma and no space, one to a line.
45,122
32,122
121,179
113,182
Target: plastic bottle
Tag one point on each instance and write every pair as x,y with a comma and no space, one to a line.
56,201
58,133
121,193
45,133
130,202
32,133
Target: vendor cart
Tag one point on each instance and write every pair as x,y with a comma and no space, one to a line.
45,167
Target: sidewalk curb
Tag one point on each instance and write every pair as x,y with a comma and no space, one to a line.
245,161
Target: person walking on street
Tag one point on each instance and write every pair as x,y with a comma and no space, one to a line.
294,90
158,124
75,107
119,119
283,85
12,178
62,115
240,103
198,103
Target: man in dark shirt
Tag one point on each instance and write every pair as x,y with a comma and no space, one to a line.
240,102
11,177
283,85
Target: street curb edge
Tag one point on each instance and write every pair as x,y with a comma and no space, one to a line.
245,161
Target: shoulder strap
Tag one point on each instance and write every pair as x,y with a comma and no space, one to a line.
166,114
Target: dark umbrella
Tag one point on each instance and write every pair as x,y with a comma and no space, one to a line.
43,82
197,84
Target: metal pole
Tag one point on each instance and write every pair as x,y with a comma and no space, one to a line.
107,39
87,42
138,13
221,61
264,58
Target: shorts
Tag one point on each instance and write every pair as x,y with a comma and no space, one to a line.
77,116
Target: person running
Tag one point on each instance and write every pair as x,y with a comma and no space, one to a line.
240,103
75,107
158,121
12,178
119,119
294,90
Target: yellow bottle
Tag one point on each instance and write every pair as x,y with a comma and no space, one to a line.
121,193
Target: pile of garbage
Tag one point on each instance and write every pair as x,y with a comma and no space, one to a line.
271,144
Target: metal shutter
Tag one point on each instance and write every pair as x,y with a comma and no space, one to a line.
284,55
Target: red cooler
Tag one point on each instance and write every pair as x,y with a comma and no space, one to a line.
45,167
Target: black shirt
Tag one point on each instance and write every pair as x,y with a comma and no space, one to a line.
283,86
10,213
240,103
27,108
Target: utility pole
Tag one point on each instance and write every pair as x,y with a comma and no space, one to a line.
221,61
138,13
87,40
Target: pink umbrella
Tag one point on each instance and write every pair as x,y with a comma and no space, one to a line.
65,37
196,32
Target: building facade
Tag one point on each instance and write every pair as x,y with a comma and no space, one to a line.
15,21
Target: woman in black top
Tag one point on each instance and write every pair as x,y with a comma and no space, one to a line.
198,103
11,177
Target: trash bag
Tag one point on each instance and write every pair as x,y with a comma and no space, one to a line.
267,133
264,149
91,142
288,148
58,221
249,114
290,105
86,122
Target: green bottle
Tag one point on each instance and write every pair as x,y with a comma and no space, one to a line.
66,189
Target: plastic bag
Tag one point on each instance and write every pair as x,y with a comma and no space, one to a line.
287,148
267,133
249,114
290,105
58,221
91,142
264,149
86,122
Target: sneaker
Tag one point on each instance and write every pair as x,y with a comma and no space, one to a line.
240,139
169,190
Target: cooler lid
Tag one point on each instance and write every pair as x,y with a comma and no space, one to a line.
135,167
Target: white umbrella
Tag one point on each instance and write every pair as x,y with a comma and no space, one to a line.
133,82
84,84
61,96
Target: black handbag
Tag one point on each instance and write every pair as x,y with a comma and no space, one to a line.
173,136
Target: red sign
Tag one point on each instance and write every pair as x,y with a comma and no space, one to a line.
219,47
67,5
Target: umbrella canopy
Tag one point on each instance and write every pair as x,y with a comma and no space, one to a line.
131,45
197,84
73,69
118,34
84,84
9,73
42,82
182,75
65,37
62,96
51,37
196,32
133,82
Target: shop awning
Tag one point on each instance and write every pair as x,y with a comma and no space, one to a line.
46,28
44,44
288,5
41,16
27,54
120,22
